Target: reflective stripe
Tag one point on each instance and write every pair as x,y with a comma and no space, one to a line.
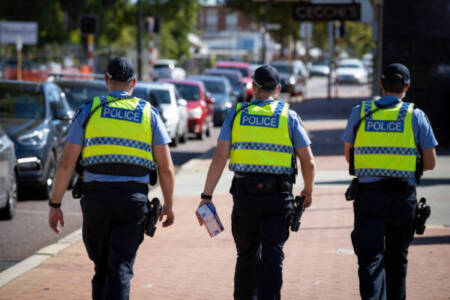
385,173
260,169
262,146
119,158
386,150
400,117
96,141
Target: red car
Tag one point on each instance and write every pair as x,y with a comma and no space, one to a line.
199,105
245,70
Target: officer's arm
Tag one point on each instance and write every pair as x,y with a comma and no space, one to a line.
308,167
65,170
218,163
347,147
166,173
429,159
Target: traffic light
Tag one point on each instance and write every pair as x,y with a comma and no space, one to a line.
88,25
342,29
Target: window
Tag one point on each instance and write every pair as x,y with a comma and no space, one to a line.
232,21
211,20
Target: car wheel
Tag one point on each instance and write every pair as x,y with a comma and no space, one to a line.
183,137
47,187
175,140
200,134
8,212
208,131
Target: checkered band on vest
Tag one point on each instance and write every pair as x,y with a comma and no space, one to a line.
260,169
119,158
262,146
384,173
97,141
386,150
277,112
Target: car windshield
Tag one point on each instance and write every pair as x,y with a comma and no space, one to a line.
234,80
162,66
282,68
78,95
244,71
188,92
348,66
320,64
215,87
21,104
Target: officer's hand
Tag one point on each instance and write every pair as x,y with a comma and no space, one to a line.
308,198
55,215
170,217
202,202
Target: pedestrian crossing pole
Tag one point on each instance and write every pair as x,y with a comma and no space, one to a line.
90,54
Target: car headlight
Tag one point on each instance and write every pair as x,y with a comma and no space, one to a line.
195,113
291,80
228,105
358,75
33,138
249,85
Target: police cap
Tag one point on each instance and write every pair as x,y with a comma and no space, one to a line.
396,73
266,77
120,69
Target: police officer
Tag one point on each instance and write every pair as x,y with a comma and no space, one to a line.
122,143
382,150
260,138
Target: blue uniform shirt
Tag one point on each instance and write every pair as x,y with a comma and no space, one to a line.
297,132
423,133
76,136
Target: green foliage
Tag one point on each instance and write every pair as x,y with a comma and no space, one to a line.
358,40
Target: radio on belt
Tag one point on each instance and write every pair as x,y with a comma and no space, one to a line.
210,219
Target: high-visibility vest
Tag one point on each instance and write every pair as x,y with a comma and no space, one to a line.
118,138
260,141
384,144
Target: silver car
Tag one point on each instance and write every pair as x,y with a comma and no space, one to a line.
8,186
172,109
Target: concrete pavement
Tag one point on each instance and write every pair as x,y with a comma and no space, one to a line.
183,262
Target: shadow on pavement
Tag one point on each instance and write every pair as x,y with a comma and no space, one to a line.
180,158
327,142
321,108
434,181
431,240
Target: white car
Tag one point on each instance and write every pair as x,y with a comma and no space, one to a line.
167,69
172,109
351,71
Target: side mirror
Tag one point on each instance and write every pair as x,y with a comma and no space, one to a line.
235,93
64,115
181,102
210,100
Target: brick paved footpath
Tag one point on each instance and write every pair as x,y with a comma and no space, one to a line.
183,262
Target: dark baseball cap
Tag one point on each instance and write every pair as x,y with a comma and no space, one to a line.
266,77
120,69
396,73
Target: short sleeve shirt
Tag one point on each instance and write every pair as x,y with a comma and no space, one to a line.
76,136
423,132
297,132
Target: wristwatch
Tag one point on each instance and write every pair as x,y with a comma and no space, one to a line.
54,205
206,197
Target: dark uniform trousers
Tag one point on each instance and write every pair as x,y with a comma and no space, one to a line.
383,231
112,232
260,227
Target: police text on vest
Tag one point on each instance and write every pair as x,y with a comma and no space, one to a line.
122,114
261,121
384,126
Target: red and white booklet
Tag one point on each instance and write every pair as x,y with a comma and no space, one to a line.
210,219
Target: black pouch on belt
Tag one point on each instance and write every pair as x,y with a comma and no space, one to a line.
259,185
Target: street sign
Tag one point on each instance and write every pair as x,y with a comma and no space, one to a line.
273,26
326,12
11,31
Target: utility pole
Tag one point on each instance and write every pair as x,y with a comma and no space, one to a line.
378,37
263,36
330,56
139,39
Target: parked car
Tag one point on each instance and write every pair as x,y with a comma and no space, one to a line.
8,185
245,70
351,71
36,116
172,111
220,89
235,79
199,106
167,68
79,92
293,76
319,68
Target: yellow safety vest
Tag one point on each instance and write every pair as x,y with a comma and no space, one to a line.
384,144
260,141
118,138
